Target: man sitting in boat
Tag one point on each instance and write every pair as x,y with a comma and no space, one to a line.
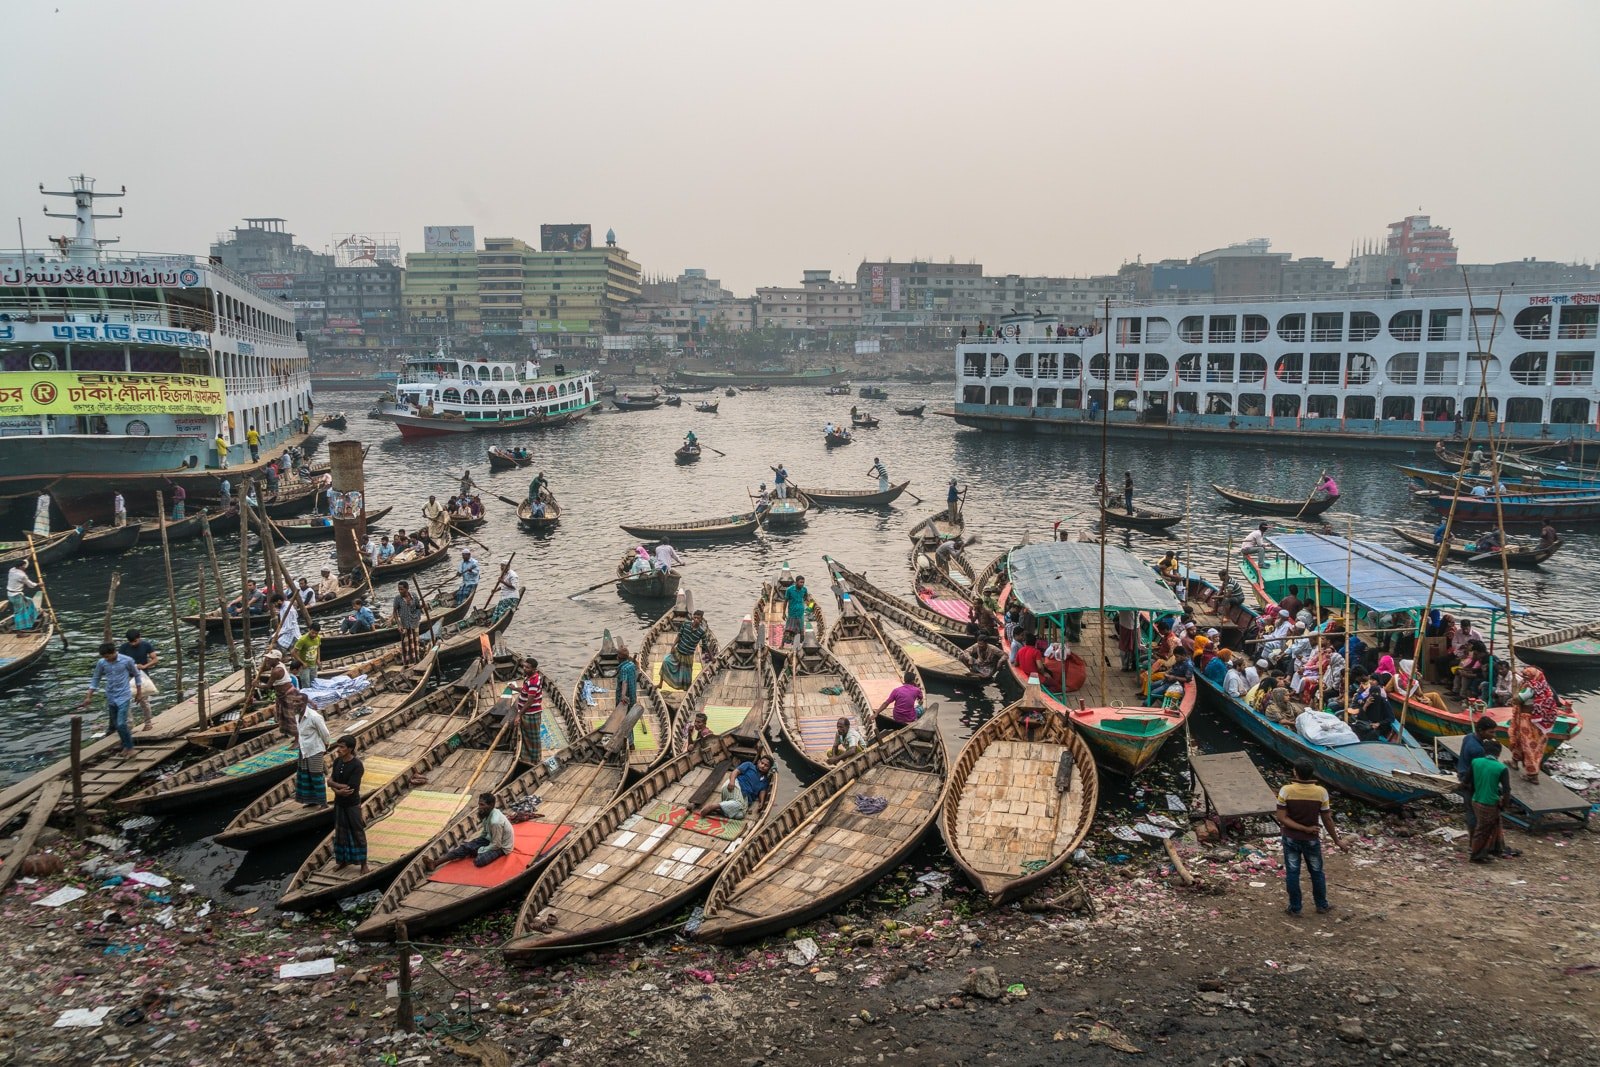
328,586
1488,541
495,838
385,549
1255,542
983,659
1168,568
359,621
1229,592
906,699
1548,538
699,730
666,557
742,788
846,740
423,541
253,597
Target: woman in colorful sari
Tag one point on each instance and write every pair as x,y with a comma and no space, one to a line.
1533,715
677,667
530,707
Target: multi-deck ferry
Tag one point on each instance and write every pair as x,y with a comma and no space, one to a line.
119,370
440,394
1394,367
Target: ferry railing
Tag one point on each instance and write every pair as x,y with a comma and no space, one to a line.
139,312
1327,335
1406,333
1575,331
1444,333
1294,336
1221,337
1535,332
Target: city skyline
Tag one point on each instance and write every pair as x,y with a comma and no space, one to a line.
756,143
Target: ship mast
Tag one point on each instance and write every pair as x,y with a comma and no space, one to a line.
84,247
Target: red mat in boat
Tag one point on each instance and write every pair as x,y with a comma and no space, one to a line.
950,607
532,836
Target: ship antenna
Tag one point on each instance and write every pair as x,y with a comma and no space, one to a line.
85,246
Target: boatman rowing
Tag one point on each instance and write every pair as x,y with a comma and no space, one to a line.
882,474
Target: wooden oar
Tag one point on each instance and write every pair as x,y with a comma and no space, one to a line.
913,496
592,588
1313,495
517,504
718,451
33,554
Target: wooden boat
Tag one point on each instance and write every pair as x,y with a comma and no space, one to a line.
934,656
23,650
1275,505
1514,555
414,559
938,527
466,521
317,527
335,422
884,602
261,626
660,640
288,501
837,438
1366,770
948,590
851,497
251,767
787,513
739,525
441,612
735,687
1574,507
645,857
1529,485
820,850
391,750
650,585
864,422
636,402
730,391
48,549
871,392
651,738
808,714
1576,647
687,454
190,526
707,407
108,540
1209,611
569,788
1021,796
539,523
505,459
868,654
841,389
914,412
772,609
672,400
1112,514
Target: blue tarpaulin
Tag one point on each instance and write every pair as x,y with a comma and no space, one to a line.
1382,580
1064,576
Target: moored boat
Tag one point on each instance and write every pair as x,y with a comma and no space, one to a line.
1274,505
867,653
595,703
317,527
183,529
23,650
1575,507
1575,647
771,612
944,587
938,527
735,687
813,693
880,600
45,549
108,540
1515,555
697,529
637,402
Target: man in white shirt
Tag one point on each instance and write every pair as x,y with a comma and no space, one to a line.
506,587
1279,635
119,509
308,595
328,587
1234,682
496,837
289,621
311,733
667,557
1255,541
19,589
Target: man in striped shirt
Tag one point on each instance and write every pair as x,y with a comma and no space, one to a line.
1302,806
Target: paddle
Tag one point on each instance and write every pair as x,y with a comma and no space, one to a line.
592,588
913,496
718,451
517,504
1313,495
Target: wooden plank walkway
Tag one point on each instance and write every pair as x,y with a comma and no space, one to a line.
1533,804
1234,788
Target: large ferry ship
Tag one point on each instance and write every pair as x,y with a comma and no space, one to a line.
440,394
119,370
1393,368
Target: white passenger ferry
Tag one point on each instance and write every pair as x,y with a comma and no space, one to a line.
1392,367
441,394
119,370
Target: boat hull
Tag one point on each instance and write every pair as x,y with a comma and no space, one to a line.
413,426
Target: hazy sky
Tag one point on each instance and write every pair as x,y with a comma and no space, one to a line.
756,139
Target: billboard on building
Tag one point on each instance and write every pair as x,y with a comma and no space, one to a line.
894,294
565,237
877,284
273,281
868,348
449,238
366,249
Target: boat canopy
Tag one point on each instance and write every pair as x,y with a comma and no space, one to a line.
1058,577
1381,579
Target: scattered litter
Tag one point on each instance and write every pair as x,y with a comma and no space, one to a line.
361,900
155,881
1258,885
306,968
934,879
1126,833
82,1017
1582,968
64,895
1017,989
137,824
1449,833
1175,803
109,842
696,917
1161,821
1152,831
1111,1037
803,952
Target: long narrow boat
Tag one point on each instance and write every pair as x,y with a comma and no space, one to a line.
50,548
1113,514
261,626
1514,555
934,656
1275,505
249,768
647,585
291,500
868,654
1020,798
854,497
662,638
938,527
914,411
771,612
1528,485
414,559
813,693
108,540
646,856
1574,507
822,850
1209,611
318,527
594,700
1575,647
947,589
884,602
539,523
186,528
638,401
734,688
505,459
707,407
440,613
1366,770
335,422
23,650
390,749
739,525
787,513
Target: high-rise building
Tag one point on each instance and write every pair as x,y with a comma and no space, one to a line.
1420,245
440,293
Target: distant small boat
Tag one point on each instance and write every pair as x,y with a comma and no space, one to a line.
730,391
836,390
872,392
672,400
687,454
504,459
335,422
707,407
911,412
637,402
837,438
1112,514
866,422
1275,505
1574,646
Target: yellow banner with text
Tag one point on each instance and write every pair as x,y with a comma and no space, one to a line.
110,393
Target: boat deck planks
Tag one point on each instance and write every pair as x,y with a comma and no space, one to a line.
1010,814
106,778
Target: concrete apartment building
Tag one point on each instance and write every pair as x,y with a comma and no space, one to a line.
818,303
440,294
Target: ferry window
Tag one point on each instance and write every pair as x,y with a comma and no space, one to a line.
1219,404
1219,366
1252,403
1327,326
1530,367
1482,413
1022,398
1097,366
1071,366
1290,368
1399,407
1406,326
1578,323
972,394
1285,406
1441,368
1049,366
1156,329
505,396
1482,366
1125,400
1191,329
1569,409
1322,406
1363,326
1524,409
1360,407
1359,369
1127,366
998,394
1438,408
1325,368
1402,369
1047,398
1292,327
1155,366
1574,368
997,364
1024,365
1486,325
1185,403
471,396
1533,324
1444,325
1128,330
1097,399
973,366
1252,367
1255,329
1189,367
1221,330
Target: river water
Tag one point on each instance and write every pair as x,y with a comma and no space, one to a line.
619,467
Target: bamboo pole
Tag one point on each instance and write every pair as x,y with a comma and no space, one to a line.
111,604
200,668
77,774
1349,613
172,595
244,572
1105,430
44,591
216,580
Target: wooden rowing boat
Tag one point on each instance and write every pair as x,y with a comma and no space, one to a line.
864,422
637,402
1112,514
466,521
190,526
911,412
944,589
647,855
414,559
1514,555
932,655
813,693
335,422
504,459
48,549
687,454
440,612
787,512
1572,646
822,849
661,639
108,540
938,527
649,585
651,738
772,611
1531,485
249,768
707,407
868,654
884,602
734,687
837,438
1275,505
1020,798
872,392
23,650
539,523
317,527
261,626
852,497
1209,611
696,530
568,788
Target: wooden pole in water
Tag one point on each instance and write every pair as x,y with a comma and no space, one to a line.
111,603
216,580
1105,430
77,774
172,595
244,570
408,1017
345,466
200,690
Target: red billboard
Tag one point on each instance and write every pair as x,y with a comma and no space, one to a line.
273,281
565,237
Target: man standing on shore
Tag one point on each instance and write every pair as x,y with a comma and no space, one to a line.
1302,805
